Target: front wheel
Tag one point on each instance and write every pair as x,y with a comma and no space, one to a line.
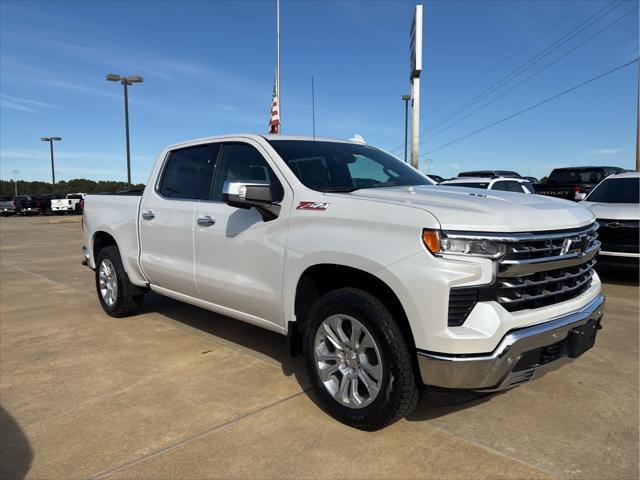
117,294
358,361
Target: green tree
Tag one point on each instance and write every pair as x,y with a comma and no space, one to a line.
63,187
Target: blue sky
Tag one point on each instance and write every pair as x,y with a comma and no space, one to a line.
208,69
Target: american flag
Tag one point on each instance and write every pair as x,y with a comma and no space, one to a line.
274,121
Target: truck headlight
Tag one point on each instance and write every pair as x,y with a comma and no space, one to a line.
438,243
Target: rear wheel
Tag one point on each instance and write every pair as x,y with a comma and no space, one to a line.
358,361
118,296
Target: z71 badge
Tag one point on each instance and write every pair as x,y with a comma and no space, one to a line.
319,206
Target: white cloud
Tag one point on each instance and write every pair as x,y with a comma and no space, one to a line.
81,88
145,64
41,155
23,104
16,106
608,151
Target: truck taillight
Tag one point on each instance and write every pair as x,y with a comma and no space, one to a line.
578,189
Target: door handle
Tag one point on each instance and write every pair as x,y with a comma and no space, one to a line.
148,215
206,221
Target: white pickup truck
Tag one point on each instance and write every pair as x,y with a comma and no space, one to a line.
73,203
382,280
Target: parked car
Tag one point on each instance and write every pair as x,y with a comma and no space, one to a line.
574,182
380,279
615,203
7,206
72,203
532,180
490,173
44,202
519,185
26,205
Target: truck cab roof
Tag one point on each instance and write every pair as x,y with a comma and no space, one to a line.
256,137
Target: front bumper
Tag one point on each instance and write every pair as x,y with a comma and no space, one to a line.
500,370
619,259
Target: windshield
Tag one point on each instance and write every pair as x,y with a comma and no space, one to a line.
576,175
468,184
616,190
344,167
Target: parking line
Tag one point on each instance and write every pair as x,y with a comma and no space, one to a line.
110,471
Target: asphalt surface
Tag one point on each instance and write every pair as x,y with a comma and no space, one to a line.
180,392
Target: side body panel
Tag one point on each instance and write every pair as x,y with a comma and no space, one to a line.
166,242
239,260
116,215
352,232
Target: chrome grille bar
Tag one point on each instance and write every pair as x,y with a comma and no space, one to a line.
542,269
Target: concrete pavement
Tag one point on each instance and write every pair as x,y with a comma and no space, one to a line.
180,392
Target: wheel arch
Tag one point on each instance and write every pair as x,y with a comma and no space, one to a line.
100,240
319,279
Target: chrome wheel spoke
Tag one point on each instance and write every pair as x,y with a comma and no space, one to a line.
367,342
354,396
332,337
343,390
108,282
374,371
348,361
328,371
356,334
370,384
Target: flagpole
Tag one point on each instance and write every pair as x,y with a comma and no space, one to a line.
278,61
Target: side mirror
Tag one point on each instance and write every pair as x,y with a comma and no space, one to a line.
580,196
251,193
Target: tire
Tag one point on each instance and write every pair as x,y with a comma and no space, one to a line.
118,296
394,395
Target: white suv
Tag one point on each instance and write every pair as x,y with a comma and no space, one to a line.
519,185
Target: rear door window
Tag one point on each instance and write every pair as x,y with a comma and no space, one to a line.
188,173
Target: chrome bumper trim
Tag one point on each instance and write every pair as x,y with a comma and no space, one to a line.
494,371
604,253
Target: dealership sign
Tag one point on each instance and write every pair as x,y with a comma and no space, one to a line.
416,43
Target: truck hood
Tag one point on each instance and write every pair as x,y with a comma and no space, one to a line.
614,211
461,208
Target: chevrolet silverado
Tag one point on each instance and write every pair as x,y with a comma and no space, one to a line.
380,279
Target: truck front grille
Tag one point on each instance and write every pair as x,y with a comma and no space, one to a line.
546,268
537,270
619,235
544,288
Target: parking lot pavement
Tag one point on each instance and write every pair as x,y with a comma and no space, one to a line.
181,392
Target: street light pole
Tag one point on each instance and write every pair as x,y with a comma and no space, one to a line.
15,181
53,171
638,123
126,127
126,81
406,99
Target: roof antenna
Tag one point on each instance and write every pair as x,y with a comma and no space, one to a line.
313,108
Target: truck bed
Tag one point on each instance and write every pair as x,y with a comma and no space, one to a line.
117,216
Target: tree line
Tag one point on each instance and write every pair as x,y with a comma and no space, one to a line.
7,187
